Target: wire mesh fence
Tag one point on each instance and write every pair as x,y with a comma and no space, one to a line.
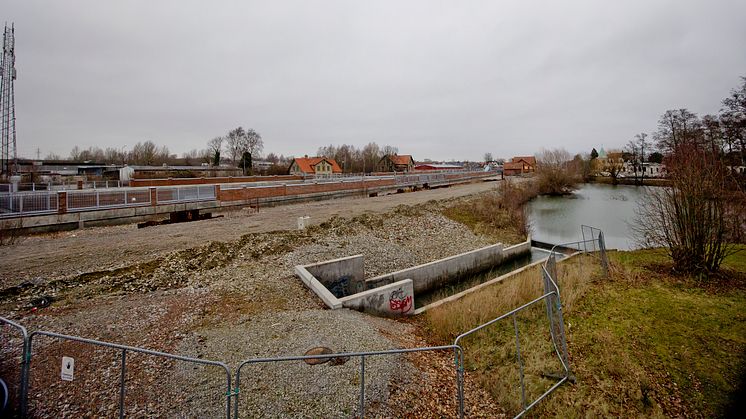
83,377
343,385
27,203
96,199
185,193
50,374
13,338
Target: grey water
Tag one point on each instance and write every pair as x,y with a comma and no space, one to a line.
467,282
557,219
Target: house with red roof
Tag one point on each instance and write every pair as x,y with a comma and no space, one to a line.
314,166
396,163
519,165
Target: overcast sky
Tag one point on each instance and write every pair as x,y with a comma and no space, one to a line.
440,80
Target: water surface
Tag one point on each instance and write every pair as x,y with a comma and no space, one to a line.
557,219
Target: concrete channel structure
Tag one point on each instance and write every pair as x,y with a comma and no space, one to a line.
341,282
50,210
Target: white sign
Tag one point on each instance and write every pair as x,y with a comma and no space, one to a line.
68,367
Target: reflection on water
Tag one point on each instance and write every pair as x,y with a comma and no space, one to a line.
557,219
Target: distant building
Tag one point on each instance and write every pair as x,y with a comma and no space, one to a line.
127,173
314,166
396,163
437,166
520,165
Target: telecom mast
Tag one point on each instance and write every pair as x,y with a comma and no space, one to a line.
9,162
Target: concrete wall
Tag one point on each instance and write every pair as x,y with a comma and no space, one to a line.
395,299
314,285
438,273
342,277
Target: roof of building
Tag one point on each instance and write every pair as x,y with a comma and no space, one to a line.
402,159
528,159
306,164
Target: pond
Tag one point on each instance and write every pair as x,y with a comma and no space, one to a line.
557,219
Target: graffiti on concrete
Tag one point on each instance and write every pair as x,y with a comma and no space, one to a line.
375,300
400,302
341,287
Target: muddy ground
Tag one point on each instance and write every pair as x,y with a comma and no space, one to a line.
224,290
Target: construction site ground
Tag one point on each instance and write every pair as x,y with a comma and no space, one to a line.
224,289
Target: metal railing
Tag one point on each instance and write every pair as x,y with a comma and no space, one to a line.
16,204
27,203
172,194
84,200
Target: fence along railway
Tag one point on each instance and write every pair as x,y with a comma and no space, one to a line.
30,369
45,209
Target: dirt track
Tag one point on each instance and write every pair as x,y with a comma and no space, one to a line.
95,249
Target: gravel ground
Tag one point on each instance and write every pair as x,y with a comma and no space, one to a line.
63,254
231,301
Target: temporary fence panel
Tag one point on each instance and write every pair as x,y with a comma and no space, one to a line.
80,377
13,338
529,382
266,385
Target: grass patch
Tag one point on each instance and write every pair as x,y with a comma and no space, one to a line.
498,215
643,343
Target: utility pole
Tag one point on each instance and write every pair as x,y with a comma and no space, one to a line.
8,156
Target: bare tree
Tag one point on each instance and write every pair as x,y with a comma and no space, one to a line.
235,145
677,127
733,116
555,172
390,150
698,217
488,157
253,142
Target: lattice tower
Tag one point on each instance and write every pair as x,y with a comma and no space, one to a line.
9,157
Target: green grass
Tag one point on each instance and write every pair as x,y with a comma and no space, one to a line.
642,343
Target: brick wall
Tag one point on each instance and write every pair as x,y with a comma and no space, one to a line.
210,180
304,189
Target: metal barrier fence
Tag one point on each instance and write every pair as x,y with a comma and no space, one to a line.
361,403
27,203
85,200
104,369
172,194
99,373
16,204
13,365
